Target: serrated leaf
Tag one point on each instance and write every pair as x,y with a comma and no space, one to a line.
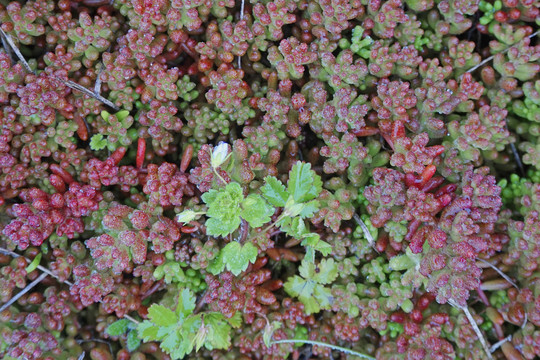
98,142
306,269
217,265
172,343
256,211
314,241
294,227
237,257
323,296
309,209
189,330
303,290
222,227
327,271
186,303
200,337
274,191
118,327
304,184
165,330
292,208
223,209
236,320
133,341
309,288
148,331
219,336
161,316
323,247
209,196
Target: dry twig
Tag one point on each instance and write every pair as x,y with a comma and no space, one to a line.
475,327
367,234
23,291
48,272
15,49
488,59
73,85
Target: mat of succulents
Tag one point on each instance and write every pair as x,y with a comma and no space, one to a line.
269,179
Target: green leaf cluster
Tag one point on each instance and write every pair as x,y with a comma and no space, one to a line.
227,206
119,133
98,142
299,200
234,257
181,331
309,287
120,327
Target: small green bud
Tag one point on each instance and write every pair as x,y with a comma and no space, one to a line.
407,306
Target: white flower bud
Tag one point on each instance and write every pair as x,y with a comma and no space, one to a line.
220,155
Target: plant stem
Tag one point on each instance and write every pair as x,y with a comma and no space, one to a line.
272,224
318,343
281,217
219,176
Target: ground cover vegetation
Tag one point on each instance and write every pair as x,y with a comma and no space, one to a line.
275,179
